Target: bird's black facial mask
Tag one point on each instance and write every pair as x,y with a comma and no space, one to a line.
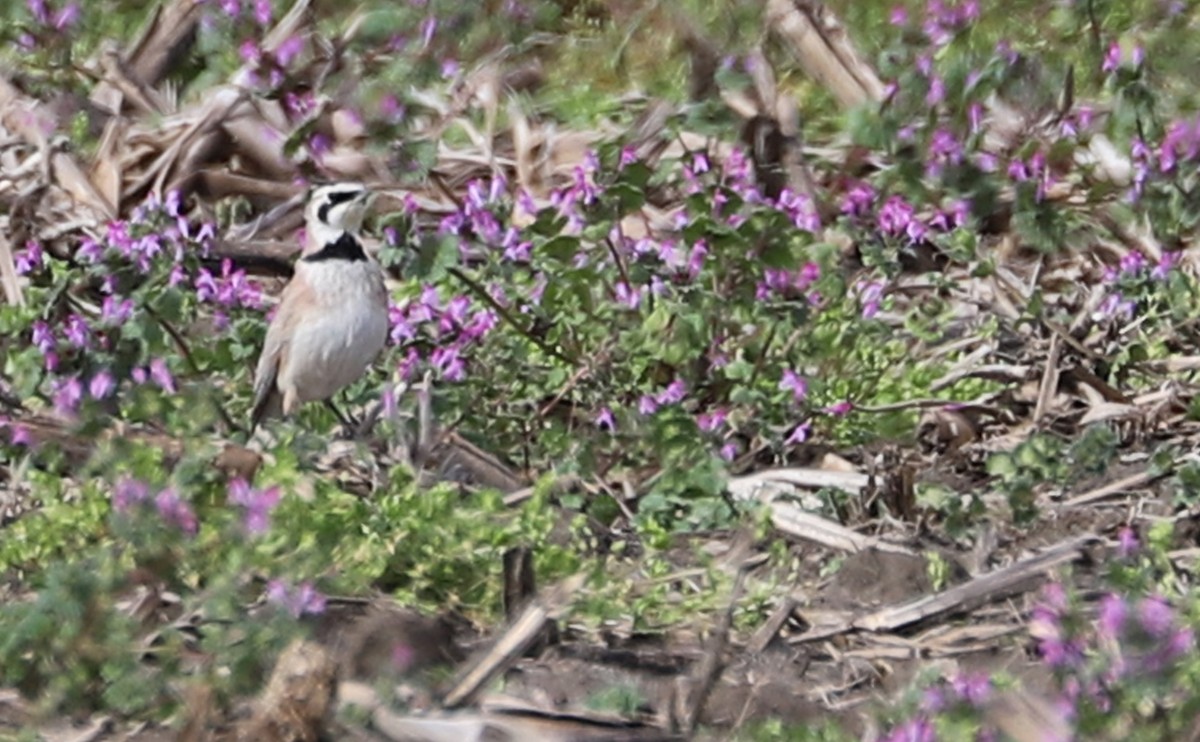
335,198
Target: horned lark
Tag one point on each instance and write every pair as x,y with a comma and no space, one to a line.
332,319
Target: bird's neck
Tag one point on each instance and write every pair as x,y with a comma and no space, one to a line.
319,234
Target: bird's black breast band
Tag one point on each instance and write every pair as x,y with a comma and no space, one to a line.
345,247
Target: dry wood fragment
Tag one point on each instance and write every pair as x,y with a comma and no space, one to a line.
1049,384
8,274
297,701
693,692
824,50
509,647
33,122
772,626
1120,486
982,589
165,39
1016,578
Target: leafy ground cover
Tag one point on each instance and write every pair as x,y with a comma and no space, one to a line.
756,371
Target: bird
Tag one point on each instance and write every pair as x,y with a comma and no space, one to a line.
332,319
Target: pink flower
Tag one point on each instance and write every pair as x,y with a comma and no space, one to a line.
795,383
101,385
262,12
604,419
673,394
129,492
67,397
710,421
1112,58
30,259
799,434
257,503
66,17
162,375
840,409
303,599
175,511
289,50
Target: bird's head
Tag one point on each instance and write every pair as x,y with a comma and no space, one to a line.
333,209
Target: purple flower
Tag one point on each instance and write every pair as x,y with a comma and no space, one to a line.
895,216
262,12
870,294
455,314
1127,543
250,52
304,599
101,385
798,435
231,289
1111,618
898,16
40,13
67,397
604,419
647,405
1166,263
1112,58
42,337
628,296
913,730
66,16
77,331
795,383
162,375
858,200
289,50
449,363
90,250
729,451
115,312
257,503
840,409
129,492
673,394
428,29
30,259
710,421
1155,615
176,512
972,688
481,323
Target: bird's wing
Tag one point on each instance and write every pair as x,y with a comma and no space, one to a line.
267,397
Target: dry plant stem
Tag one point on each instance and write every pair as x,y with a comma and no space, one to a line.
708,670
511,645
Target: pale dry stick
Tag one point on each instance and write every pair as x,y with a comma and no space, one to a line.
512,644
1049,385
822,47
8,274
1113,488
709,669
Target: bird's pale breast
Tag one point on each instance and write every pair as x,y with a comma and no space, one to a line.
341,333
